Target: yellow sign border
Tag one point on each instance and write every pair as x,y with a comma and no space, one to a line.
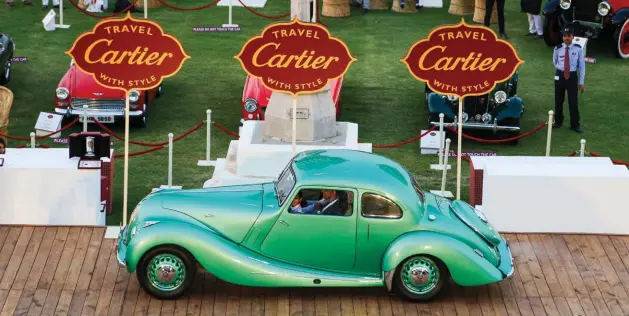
295,21
446,26
128,17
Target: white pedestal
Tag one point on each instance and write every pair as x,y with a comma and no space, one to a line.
248,3
45,187
112,232
439,167
230,25
557,198
432,3
255,159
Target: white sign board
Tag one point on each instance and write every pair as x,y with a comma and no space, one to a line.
49,21
429,144
48,123
583,42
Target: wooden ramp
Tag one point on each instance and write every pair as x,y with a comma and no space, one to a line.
73,271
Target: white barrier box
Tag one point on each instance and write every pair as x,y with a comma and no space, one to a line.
557,198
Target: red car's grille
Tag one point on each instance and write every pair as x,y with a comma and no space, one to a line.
98,105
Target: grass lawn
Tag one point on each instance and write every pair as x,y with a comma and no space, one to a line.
379,93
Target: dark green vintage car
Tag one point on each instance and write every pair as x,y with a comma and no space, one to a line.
333,218
498,111
7,47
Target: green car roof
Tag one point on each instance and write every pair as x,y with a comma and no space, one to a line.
353,168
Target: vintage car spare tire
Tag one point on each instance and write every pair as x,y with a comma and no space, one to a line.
622,41
166,272
420,278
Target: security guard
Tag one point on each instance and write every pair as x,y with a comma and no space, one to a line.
568,59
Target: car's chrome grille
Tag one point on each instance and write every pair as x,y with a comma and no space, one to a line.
98,105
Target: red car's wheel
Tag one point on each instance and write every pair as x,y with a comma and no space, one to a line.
623,41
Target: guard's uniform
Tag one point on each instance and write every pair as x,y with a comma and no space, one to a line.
568,58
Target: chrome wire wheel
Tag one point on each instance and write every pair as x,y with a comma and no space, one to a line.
7,71
166,272
420,275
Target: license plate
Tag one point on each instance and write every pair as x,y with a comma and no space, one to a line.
102,119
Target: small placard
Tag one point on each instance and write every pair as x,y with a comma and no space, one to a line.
474,154
60,141
89,164
19,59
583,42
590,60
47,123
302,114
429,144
49,21
215,29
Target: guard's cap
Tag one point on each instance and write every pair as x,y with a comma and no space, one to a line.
567,30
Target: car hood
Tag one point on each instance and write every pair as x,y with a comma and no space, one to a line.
83,86
230,210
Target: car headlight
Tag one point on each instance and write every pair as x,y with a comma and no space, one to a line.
251,105
486,118
62,93
500,97
452,98
564,4
603,8
480,215
465,116
134,96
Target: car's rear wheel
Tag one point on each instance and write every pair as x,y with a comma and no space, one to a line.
166,272
622,41
6,72
420,278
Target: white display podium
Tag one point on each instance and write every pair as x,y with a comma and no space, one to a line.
553,197
255,159
45,187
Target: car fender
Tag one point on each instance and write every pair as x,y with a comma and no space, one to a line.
466,267
513,109
550,6
620,16
438,104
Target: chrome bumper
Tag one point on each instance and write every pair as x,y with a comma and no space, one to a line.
482,126
121,261
78,112
510,274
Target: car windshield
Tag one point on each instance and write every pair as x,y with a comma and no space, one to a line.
285,184
418,189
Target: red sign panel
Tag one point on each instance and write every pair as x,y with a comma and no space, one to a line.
128,54
462,60
295,57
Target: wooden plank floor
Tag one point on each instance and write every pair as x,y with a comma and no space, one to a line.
73,271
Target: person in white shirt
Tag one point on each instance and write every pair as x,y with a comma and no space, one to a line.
95,6
44,4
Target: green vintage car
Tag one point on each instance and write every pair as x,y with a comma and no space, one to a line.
333,218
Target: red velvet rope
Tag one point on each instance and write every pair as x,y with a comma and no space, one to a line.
498,140
21,146
103,16
44,146
112,133
205,6
140,152
406,141
263,15
572,154
616,162
43,136
226,131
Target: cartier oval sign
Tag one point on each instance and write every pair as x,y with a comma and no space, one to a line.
462,60
295,57
128,53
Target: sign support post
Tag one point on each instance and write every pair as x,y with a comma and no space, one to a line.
61,25
229,24
459,126
125,188
294,125
146,9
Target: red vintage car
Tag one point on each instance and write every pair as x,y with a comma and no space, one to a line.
255,97
78,88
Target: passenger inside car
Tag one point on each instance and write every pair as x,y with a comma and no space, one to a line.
330,202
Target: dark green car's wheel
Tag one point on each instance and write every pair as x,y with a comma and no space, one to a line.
420,278
166,272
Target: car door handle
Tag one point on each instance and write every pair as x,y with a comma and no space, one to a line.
283,222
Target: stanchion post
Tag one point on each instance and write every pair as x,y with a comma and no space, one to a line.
550,132
61,25
32,140
146,9
445,170
85,118
315,7
582,151
230,16
170,159
441,116
209,141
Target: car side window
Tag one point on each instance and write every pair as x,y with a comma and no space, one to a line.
376,206
323,202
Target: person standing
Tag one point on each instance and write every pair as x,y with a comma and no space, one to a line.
489,8
569,65
364,4
417,5
11,3
44,4
532,9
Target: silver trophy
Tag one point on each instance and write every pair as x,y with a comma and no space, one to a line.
89,146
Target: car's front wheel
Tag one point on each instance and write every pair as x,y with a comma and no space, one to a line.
420,278
622,40
6,72
166,272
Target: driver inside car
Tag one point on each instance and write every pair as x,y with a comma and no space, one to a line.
329,204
